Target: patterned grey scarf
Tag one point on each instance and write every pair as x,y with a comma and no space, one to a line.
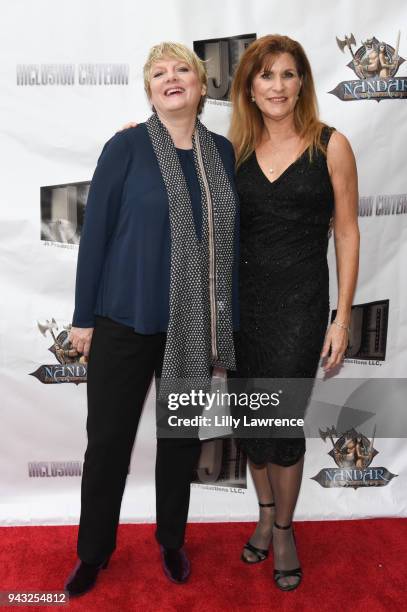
200,329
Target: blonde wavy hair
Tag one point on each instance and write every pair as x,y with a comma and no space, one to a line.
178,52
247,124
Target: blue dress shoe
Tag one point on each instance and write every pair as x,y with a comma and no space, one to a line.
176,564
83,578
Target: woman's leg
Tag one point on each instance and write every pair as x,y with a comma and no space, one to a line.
176,461
262,535
286,483
120,368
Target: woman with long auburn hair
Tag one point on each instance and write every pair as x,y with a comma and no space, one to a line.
247,122
296,177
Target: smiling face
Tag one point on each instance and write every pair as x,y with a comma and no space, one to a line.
175,87
276,87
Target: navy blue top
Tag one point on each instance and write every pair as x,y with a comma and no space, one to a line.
186,158
124,258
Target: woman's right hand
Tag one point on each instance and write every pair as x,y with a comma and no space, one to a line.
81,338
128,125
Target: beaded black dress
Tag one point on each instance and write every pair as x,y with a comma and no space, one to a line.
284,282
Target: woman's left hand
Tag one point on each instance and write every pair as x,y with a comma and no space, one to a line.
336,341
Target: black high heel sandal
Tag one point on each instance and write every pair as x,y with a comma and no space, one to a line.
260,553
293,573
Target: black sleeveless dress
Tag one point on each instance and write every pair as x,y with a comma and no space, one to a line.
284,282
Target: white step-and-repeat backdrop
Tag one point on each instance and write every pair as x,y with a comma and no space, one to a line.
70,76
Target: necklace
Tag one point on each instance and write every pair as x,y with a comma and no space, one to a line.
272,170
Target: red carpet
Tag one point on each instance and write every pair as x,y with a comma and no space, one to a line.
352,566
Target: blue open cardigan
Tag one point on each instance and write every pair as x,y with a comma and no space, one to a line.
124,258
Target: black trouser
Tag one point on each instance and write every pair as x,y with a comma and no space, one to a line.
120,369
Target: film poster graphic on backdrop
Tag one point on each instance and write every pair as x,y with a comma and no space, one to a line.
353,453
368,333
221,465
375,63
221,56
71,366
62,212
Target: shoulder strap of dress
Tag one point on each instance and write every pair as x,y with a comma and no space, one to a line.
326,134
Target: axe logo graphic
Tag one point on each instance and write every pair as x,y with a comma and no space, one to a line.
71,366
368,333
62,213
222,56
353,453
375,64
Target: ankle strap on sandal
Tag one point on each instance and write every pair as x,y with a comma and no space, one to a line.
270,505
282,526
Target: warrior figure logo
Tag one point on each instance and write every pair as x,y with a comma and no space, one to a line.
375,64
351,449
71,367
62,348
353,453
373,58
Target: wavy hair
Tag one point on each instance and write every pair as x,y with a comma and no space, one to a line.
247,123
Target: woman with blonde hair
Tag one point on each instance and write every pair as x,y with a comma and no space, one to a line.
294,174
160,227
